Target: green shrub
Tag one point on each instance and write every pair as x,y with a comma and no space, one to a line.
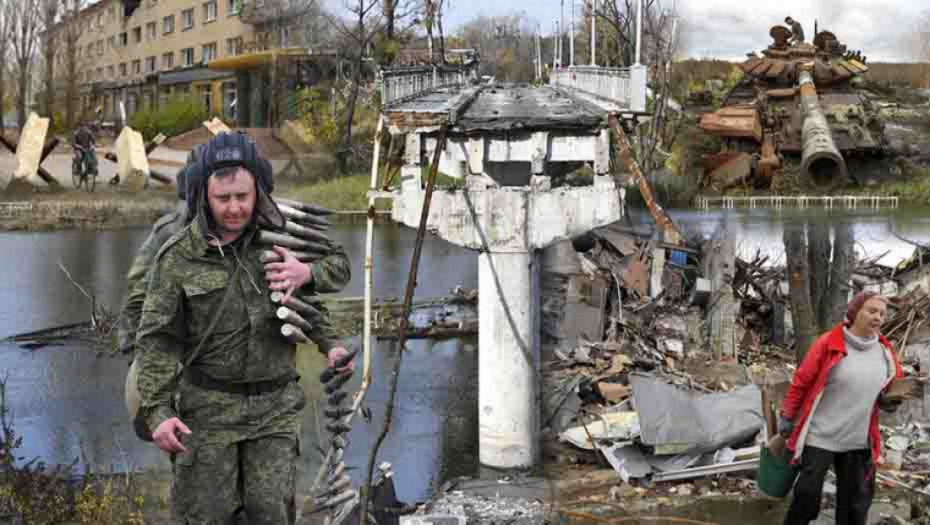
180,114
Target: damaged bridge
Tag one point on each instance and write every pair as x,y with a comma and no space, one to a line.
512,146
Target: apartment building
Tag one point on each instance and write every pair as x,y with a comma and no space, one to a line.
141,52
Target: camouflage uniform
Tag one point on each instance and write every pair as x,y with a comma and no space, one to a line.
136,282
244,446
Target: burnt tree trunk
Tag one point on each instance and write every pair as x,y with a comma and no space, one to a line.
802,312
843,254
818,254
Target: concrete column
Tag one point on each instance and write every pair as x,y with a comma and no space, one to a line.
508,407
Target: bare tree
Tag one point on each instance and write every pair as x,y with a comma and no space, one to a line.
364,23
71,30
25,20
5,18
818,277
506,44
48,15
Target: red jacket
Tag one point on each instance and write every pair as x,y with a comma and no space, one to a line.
811,379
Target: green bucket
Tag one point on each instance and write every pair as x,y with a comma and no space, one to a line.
776,473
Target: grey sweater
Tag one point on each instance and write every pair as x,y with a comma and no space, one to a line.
840,422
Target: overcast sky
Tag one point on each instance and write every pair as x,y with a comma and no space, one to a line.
729,28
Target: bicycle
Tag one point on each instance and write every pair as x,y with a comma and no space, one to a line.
84,168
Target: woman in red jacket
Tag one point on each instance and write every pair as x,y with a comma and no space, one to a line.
830,413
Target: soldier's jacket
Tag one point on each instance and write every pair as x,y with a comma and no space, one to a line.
136,282
189,282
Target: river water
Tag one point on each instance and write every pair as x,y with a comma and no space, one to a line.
67,402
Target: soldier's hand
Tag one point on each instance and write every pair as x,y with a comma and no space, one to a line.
166,435
337,353
288,275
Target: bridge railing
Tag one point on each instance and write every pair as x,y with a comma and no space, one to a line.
403,83
625,86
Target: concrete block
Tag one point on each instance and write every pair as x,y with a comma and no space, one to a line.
413,151
216,126
476,155
133,163
29,151
540,152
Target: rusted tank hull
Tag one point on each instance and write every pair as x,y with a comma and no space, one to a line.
821,161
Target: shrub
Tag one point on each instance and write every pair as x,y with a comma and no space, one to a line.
180,114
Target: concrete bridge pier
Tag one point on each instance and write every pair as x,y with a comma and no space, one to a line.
508,359
508,211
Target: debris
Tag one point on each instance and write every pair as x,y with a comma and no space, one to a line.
613,392
609,426
678,420
628,460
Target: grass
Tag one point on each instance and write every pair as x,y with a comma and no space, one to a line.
913,189
347,193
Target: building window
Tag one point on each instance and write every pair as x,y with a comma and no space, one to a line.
234,46
111,42
137,35
100,47
168,24
111,72
167,61
233,7
151,30
136,67
150,64
209,11
229,99
206,96
208,52
123,39
122,69
187,19
99,73
187,56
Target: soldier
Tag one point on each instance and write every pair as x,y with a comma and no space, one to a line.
230,419
797,32
165,227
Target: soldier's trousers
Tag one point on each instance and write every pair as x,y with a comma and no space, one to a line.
242,452
258,475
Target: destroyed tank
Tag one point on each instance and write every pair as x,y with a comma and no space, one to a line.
797,99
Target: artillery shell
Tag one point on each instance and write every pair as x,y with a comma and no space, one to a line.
268,238
337,381
303,206
343,361
297,304
338,427
327,374
305,232
337,472
336,413
293,334
303,217
335,500
269,256
340,484
337,398
291,317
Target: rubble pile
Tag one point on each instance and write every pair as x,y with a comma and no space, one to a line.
655,401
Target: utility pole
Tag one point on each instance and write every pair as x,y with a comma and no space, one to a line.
555,42
593,32
639,29
571,38
561,30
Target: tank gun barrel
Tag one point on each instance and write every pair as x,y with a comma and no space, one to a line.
821,161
